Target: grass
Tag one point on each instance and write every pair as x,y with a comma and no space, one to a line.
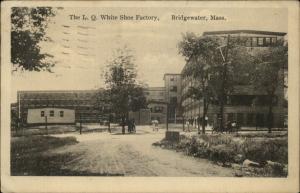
28,157
41,130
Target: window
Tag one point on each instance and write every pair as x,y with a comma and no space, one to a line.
274,40
158,109
230,117
240,118
174,88
173,100
171,79
254,42
260,41
248,42
61,113
51,113
268,41
260,120
42,113
250,119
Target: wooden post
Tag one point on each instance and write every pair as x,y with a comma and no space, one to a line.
80,124
139,116
46,124
183,123
167,121
175,117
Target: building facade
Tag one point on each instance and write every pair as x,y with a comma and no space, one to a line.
60,107
245,104
173,97
156,99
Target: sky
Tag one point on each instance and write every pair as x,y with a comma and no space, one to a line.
83,48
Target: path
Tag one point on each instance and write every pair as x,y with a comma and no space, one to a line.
134,155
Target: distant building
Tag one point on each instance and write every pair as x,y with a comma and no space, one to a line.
156,99
240,105
59,107
173,96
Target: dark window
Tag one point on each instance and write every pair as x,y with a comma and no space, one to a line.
260,122
250,119
230,117
173,100
240,118
51,113
260,41
243,100
174,88
42,113
158,109
171,79
61,113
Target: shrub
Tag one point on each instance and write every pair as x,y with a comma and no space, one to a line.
266,149
221,153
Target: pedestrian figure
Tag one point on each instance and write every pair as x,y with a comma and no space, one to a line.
155,125
133,126
188,125
229,126
129,125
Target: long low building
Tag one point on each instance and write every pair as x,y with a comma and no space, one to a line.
60,107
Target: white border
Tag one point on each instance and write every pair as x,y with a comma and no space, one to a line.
154,184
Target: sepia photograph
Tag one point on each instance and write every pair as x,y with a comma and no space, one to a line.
148,91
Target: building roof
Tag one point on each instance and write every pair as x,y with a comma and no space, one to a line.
171,74
244,31
58,91
155,89
58,98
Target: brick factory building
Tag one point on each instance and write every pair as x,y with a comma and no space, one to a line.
240,104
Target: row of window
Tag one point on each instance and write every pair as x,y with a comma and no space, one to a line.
236,100
157,109
51,113
248,119
261,41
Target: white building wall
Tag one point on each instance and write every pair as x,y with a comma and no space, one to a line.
34,115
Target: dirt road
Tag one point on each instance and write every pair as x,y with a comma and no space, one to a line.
133,155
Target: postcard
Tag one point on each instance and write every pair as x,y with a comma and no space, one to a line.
149,96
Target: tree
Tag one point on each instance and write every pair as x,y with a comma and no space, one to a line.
269,74
125,93
217,65
232,71
200,56
28,25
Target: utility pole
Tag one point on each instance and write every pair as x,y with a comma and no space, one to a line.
224,78
175,116
183,123
46,124
19,112
80,124
167,121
